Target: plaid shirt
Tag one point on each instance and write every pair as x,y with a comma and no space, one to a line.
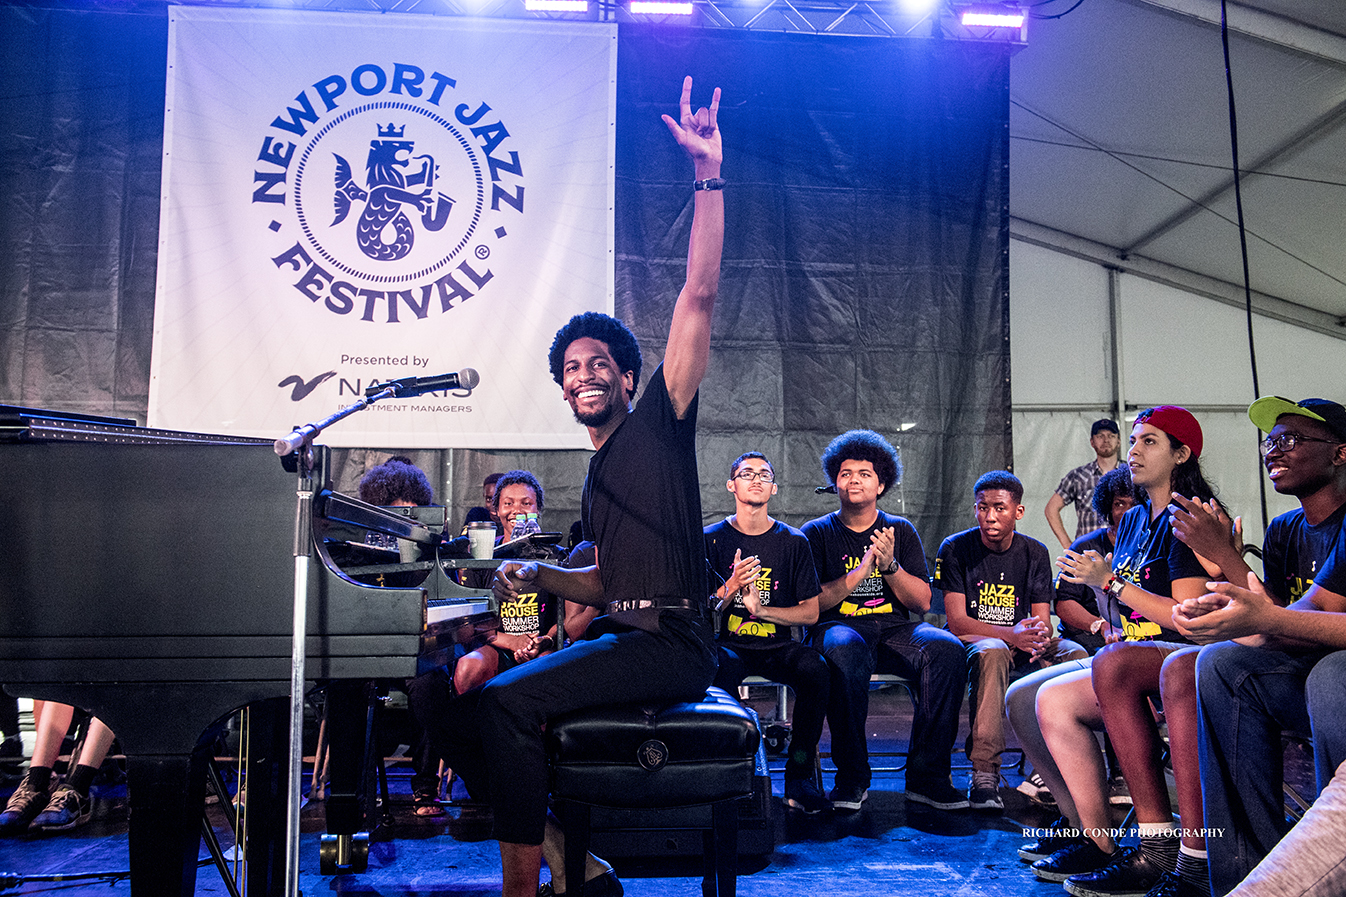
1077,488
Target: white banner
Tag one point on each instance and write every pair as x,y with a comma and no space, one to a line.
351,198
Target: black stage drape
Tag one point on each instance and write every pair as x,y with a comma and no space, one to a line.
866,267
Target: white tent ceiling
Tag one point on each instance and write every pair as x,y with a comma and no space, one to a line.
1120,145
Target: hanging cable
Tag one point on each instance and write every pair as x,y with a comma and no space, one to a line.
1243,238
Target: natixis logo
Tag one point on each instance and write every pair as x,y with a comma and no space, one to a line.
385,191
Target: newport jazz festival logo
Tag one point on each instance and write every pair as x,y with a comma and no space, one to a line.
384,191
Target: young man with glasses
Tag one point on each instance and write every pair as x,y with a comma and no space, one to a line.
769,586
1250,690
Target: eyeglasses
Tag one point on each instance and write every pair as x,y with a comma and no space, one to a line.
748,476
1286,442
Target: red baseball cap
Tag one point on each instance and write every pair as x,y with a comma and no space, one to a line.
1177,422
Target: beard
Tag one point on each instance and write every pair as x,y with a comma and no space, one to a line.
595,418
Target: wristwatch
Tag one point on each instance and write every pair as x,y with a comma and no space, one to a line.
709,184
1114,588
890,569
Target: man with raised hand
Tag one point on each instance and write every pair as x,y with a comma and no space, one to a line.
641,505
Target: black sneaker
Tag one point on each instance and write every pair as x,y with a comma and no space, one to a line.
1083,856
984,793
1060,835
803,794
67,809
1129,874
940,795
847,798
1172,885
25,803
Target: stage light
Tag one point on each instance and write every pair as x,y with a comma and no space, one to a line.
918,7
661,7
556,5
992,17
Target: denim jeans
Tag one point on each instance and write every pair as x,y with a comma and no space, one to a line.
1246,697
934,661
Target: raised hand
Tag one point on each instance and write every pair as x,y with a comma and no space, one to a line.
1205,528
698,133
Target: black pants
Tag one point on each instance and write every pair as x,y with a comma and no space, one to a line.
800,667
492,736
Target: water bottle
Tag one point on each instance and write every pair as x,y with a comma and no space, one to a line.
531,525
520,528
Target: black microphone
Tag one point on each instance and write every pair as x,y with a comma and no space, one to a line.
830,487
409,387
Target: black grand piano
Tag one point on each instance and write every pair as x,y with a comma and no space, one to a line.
147,576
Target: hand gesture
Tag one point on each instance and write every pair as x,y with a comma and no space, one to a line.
513,580
1205,528
881,542
1241,615
536,646
698,133
1087,568
744,572
1030,636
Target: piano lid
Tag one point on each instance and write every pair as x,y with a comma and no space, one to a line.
19,424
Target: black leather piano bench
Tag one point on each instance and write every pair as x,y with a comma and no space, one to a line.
694,754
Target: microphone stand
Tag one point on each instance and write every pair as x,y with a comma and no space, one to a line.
300,444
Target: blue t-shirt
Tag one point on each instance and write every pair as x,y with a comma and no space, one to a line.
1294,552
1151,557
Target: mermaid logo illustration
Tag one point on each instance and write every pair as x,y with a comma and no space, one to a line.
384,232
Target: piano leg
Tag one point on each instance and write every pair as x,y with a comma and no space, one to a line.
167,794
267,778
349,723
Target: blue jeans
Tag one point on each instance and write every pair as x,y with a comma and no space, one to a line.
1246,697
934,661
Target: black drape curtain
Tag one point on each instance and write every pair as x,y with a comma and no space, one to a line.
865,278
865,281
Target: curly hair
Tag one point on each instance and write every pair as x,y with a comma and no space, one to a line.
1112,484
1000,479
396,480
862,445
511,478
621,342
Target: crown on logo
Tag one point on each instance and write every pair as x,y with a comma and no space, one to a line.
392,130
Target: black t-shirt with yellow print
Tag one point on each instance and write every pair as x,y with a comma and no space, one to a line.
837,550
787,576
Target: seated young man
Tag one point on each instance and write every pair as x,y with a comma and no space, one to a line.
1251,689
873,573
769,586
997,595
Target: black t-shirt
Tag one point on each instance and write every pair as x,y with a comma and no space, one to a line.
1087,596
787,577
642,508
1293,552
1000,586
837,550
1150,556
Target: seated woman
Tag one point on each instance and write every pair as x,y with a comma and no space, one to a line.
40,803
1149,572
528,625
